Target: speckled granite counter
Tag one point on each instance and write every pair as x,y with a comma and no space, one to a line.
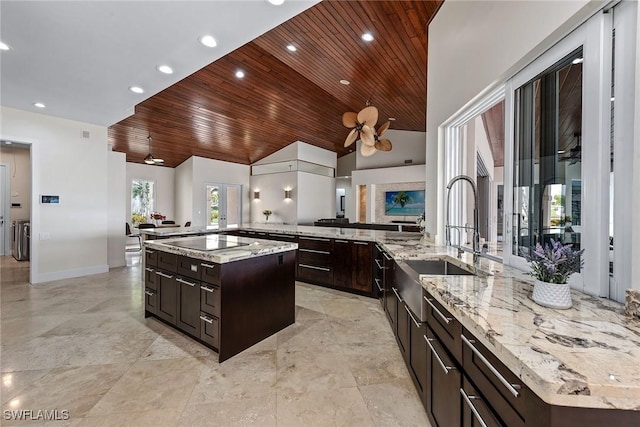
178,231
587,356
250,248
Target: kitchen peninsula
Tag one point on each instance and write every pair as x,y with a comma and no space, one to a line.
227,292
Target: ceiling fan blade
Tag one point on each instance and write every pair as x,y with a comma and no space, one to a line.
383,128
353,135
367,150
368,116
349,119
383,145
367,136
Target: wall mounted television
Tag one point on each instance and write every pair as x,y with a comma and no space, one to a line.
404,203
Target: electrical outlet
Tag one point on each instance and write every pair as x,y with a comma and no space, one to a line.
45,236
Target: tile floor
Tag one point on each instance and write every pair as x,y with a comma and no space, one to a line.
83,345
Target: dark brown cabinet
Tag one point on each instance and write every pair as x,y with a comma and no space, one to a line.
188,313
402,326
361,265
315,263
167,297
443,380
342,259
417,353
475,410
151,300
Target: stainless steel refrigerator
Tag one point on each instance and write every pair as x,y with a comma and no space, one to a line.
21,239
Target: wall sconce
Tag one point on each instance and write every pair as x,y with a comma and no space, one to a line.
256,194
287,194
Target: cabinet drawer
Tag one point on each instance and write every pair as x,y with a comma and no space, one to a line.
318,243
314,257
444,325
150,258
282,237
313,273
209,330
150,278
151,300
210,272
475,410
189,267
210,299
444,379
501,387
167,261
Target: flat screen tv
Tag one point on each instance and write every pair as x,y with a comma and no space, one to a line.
404,203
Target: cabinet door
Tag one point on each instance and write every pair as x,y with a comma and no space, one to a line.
167,297
391,308
417,353
150,278
475,411
150,301
188,315
362,259
402,327
443,400
342,267
210,330
210,299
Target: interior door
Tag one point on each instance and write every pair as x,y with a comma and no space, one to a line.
224,205
4,220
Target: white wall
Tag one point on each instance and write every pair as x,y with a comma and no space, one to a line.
509,35
184,193
18,161
407,145
316,197
117,206
290,152
371,177
345,184
216,171
271,187
164,179
74,168
311,153
346,164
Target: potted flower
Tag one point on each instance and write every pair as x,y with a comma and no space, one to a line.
552,266
420,220
157,218
266,214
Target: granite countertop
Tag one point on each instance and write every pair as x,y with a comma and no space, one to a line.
250,248
586,356
179,231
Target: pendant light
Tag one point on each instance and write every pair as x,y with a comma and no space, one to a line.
150,160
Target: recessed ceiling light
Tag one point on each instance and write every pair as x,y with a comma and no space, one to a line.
239,74
136,89
577,61
367,37
292,48
165,69
345,82
208,41
4,46
276,2
39,104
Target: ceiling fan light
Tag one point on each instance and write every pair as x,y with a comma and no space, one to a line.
158,161
149,159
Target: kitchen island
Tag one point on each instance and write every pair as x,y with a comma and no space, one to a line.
227,292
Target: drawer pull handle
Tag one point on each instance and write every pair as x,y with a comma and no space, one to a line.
387,256
362,243
341,241
513,388
207,265
150,270
185,282
438,312
206,288
380,267
395,291
412,318
314,251
445,368
313,267
149,251
315,238
207,319
160,273
150,293
476,414
378,284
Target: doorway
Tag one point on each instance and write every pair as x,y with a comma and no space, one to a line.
4,215
224,205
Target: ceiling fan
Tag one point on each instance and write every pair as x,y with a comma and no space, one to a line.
575,153
150,160
362,126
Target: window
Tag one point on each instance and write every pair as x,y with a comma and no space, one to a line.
142,200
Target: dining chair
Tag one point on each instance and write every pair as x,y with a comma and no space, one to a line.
187,224
130,234
168,221
146,225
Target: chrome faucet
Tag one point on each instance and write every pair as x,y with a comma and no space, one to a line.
476,234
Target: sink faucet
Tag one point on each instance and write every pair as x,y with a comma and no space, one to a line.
476,234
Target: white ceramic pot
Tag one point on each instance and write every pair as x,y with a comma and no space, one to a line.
552,295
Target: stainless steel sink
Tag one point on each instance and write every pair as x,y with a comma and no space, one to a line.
437,267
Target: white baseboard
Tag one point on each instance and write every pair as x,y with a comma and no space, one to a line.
69,274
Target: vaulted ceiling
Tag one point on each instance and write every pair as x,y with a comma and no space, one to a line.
287,96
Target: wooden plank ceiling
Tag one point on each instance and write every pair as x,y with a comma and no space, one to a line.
288,96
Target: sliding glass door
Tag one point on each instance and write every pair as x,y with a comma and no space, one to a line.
224,205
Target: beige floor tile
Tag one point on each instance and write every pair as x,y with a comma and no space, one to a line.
316,333
394,404
151,384
175,345
344,407
154,418
15,382
374,363
232,413
366,329
31,326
